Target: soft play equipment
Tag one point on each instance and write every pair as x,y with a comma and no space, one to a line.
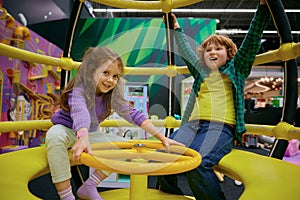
19,167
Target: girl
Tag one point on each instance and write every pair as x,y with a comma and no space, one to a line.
86,101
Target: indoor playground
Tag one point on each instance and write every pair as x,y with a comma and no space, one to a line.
34,70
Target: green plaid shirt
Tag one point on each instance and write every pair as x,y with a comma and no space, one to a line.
237,69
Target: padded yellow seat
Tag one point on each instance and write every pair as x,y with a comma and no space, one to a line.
263,177
18,168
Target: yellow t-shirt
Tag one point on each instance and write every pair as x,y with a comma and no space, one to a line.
195,112
215,100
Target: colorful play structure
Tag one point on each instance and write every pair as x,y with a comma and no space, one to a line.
264,177
28,90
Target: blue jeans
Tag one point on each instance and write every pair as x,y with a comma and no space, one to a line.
213,141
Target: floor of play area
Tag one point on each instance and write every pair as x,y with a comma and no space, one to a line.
231,190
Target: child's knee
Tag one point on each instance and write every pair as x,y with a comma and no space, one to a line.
55,134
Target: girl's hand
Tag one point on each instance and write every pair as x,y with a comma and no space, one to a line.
81,145
167,142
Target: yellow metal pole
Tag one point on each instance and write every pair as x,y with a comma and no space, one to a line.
138,187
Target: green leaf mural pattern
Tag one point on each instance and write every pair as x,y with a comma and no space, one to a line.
139,41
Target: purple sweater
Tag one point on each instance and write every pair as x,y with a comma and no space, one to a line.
80,117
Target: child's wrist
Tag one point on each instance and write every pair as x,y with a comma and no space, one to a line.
81,133
159,136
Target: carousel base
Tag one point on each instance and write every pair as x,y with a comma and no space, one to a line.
151,194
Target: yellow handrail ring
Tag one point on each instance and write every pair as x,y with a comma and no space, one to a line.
141,157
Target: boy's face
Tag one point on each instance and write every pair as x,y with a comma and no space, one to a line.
215,56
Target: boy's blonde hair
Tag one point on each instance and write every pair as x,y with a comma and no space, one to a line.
219,40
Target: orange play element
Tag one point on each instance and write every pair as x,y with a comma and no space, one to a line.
22,32
10,21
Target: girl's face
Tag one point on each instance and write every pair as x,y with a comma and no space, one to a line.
106,77
215,55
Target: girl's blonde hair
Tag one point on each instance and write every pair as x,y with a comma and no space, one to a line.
93,58
218,40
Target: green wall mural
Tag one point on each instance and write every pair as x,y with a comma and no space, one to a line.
138,40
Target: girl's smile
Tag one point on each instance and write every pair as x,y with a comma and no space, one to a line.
107,77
